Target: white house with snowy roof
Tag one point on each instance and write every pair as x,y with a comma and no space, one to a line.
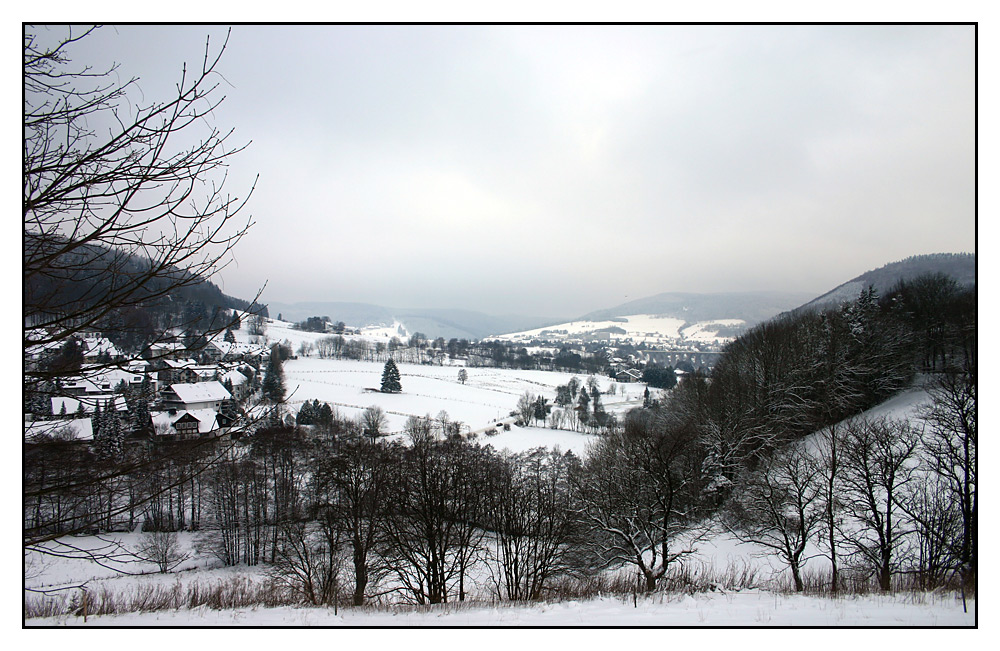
221,350
241,386
195,395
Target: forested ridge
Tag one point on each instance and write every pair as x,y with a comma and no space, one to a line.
86,278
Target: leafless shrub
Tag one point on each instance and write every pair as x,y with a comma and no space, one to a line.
163,549
238,592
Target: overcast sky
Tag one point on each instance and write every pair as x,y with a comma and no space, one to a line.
555,170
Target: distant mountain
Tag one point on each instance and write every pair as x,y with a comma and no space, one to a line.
960,266
432,322
752,307
465,324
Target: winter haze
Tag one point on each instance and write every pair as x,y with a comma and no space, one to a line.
555,170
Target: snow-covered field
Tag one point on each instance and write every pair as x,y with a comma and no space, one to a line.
279,331
487,395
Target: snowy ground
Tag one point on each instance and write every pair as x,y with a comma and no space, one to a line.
746,608
750,608
488,395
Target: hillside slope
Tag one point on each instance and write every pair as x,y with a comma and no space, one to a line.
960,266
751,307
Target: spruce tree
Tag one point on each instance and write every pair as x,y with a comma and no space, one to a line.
95,419
306,415
141,410
109,435
390,378
273,385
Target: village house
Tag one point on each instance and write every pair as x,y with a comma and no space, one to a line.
186,424
103,382
191,410
192,396
167,350
185,371
628,375
97,348
239,382
227,351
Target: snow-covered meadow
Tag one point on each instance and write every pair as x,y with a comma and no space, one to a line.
488,395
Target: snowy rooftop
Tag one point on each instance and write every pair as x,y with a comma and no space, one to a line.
80,429
88,402
235,377
200,392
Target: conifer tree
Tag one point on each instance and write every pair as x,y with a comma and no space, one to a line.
109,435
390,378
306,415
273,385
95,419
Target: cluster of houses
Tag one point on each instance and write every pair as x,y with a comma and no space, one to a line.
186,398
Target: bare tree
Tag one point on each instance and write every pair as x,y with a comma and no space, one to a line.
780,507
879,461
162,548
432,534
374,420
950,443
526,407
308,562
124,204
113,215
638,495
351,487
529,506
828,459
937,528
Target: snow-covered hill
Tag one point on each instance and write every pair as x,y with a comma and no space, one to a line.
634,328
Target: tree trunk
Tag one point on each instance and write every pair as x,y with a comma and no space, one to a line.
650,580
360,578
797,577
